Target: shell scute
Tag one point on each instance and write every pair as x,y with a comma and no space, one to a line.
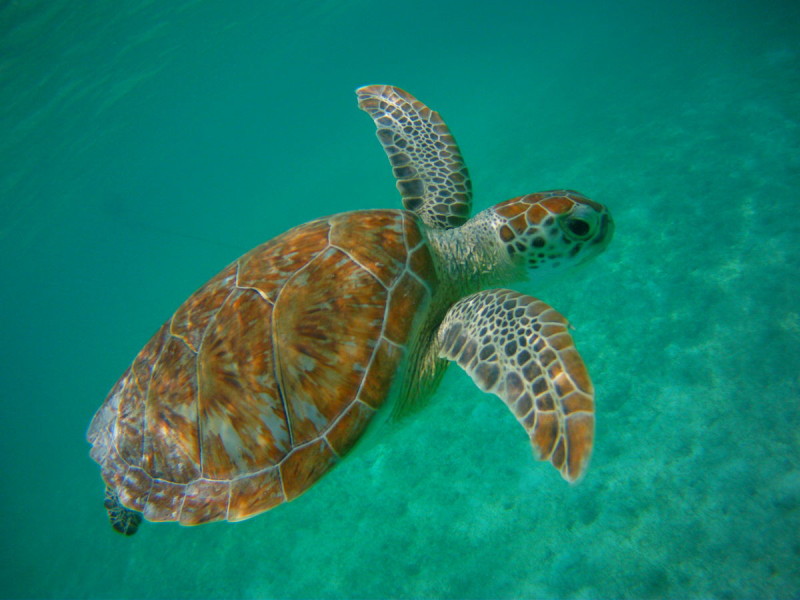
130,422
304,466
241,416
114,468
374,241
136,488
349,427
411,230
421,263
171,445
268,266
407,296
325,330
254,494
164,501
190,320
384,363
144,362
205,501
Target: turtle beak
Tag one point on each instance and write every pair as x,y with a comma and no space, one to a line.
601,240
606,231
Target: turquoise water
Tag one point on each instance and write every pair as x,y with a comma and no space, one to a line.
145,145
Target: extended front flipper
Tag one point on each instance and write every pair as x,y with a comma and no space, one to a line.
519,349
431,175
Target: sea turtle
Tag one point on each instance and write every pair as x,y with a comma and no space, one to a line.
269,374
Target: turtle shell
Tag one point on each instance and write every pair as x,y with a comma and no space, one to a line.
266,376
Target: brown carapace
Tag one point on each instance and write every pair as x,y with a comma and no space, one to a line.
266,376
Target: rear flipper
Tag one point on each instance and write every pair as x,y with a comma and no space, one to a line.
124,520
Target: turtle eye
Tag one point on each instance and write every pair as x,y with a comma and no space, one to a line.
579,228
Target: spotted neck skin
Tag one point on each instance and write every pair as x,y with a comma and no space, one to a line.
472,257
544,233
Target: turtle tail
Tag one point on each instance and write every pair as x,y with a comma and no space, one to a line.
124,520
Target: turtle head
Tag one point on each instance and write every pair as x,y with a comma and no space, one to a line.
552,230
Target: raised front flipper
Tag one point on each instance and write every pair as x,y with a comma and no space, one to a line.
431,175
519,349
